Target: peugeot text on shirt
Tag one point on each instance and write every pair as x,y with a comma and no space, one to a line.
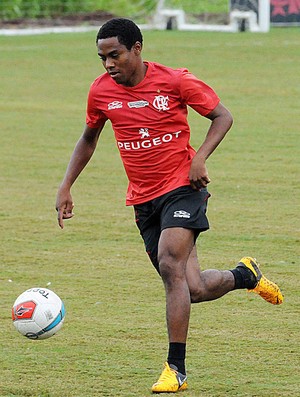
148,143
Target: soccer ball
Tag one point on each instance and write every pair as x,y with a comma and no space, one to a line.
38,313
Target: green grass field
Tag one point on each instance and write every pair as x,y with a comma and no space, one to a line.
114,341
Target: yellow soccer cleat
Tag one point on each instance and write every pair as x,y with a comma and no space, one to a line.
268,290
170,381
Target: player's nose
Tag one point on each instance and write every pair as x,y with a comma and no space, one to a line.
109,63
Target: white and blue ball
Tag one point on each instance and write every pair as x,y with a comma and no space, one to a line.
38,313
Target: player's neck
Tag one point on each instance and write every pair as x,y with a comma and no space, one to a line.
139,75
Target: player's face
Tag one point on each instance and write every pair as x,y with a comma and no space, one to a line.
121,64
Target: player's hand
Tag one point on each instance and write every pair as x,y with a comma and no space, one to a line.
64,206
198,174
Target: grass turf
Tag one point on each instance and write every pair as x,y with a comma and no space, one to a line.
114,342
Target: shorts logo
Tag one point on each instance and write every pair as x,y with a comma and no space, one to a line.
138,104
181,214
161,102
114,105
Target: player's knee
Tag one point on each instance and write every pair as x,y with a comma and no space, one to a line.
199,290
170,268
165,269
197,295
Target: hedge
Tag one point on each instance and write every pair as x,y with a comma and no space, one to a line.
10,9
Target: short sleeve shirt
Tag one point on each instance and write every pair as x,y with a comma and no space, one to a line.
150,126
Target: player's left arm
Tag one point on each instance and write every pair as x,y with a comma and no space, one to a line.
221,121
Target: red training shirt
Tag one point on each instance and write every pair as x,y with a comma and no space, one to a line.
150,126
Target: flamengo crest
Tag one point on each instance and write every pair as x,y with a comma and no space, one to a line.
161,102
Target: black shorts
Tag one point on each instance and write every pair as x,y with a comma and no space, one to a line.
182,207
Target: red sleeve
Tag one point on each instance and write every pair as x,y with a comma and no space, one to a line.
198,95
94,116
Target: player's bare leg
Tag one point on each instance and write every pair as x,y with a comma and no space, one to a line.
174,249
212,284
185,283
208,284
175,246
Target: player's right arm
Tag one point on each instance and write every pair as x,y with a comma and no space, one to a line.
82,153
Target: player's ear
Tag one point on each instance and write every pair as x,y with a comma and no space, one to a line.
137,48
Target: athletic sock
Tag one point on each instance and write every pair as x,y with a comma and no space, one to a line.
243,278
176,355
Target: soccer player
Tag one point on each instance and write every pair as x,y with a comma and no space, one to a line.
146,103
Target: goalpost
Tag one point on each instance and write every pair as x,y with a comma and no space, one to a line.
252,15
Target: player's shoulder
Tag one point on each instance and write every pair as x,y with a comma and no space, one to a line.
171,77
102,80
160,68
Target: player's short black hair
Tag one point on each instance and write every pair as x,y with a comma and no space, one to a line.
127,32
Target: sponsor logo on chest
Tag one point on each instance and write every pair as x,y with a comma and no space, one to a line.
160,103
146,141
138,104
114,105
